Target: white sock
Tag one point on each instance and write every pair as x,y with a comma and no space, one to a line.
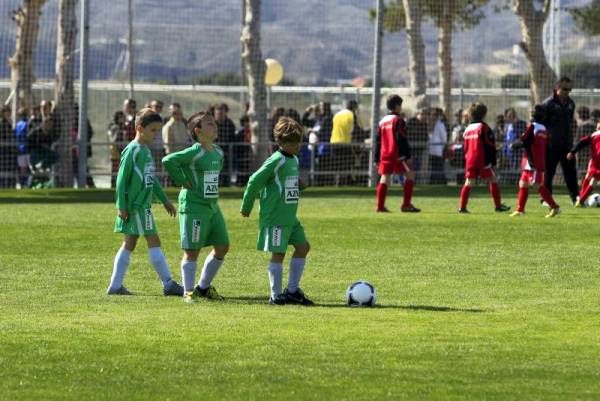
209,271
119,268
275,278
159,262
188,274
296,270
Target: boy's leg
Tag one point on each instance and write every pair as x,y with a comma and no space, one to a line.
382,189
121,263
586,188
188,268
495,191
522,196
464,195
212,264
409,185
547,196
275,270
297,263
159,262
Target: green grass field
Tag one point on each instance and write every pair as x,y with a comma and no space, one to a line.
471,307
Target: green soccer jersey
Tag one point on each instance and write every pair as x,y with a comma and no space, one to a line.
136,182
277,182
200,168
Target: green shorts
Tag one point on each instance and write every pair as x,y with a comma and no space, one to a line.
140,222
277,238
201,228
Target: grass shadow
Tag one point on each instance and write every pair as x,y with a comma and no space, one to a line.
430,308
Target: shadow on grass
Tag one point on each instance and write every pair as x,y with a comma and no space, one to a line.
429,308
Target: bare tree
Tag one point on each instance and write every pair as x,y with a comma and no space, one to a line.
255,76
27,18
532,22
407,15
64,94
413,11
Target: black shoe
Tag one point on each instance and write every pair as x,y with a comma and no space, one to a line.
297,298
503,208
463,210
410,209
278,300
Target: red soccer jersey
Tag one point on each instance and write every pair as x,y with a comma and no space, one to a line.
535,139
479,146
594,141
392,136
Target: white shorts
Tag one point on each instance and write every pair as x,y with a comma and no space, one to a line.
23,160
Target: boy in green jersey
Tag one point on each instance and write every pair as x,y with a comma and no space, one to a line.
196,169
135,186
277,183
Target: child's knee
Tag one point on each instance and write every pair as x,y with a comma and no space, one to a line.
302,249
221,251
153,241
129,242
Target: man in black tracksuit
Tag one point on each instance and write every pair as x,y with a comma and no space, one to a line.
559,124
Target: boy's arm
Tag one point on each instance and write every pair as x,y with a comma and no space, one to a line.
583,142
401,137
125,169
256,183
377,145
489,146
173,163
158,191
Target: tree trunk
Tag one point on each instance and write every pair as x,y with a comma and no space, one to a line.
445,57
532,25
255,76
416,51
21,63
64,94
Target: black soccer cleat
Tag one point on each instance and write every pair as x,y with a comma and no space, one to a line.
410,209
463,210
297,298
278,300
503,208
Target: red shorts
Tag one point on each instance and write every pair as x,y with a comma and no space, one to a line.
592,171
393,167
485,172
532,177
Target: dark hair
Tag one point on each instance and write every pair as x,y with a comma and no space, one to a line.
539,113
195,121
118,114
477,111
244,119
5,109
147,116
583,113
563,80
326,108
595,115
287,130
292,113
222,106
175,104
352,105
393,101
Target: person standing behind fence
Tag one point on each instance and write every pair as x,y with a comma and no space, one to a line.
116,138
392,152
345,124
130,110
226,137
7,150
437,147
513,128
23,158
561,109
174,132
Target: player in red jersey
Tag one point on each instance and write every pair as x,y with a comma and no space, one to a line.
393,155
480,157
535,140
593,172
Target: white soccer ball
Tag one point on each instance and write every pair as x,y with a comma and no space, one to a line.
361,293
593,200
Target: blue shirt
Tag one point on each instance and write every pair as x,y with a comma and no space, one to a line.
21,137
509,137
